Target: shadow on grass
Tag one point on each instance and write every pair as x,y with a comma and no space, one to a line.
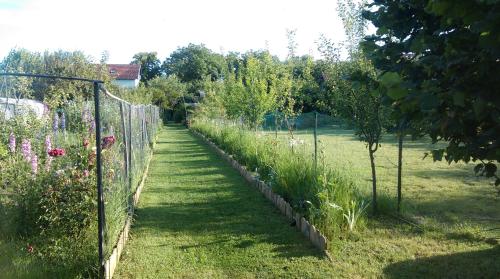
226,209
477,264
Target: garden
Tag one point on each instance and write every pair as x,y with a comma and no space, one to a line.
387,145
52,170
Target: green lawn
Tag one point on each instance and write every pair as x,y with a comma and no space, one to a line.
433,192
197,218
458,214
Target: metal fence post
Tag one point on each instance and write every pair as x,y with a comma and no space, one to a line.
315,141
100,197
126,156
131,172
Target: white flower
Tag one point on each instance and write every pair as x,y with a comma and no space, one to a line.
294,142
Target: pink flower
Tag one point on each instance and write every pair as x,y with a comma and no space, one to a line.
26,149
30,248
48,144
34,163
86,173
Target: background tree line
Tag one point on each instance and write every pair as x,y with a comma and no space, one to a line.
429,70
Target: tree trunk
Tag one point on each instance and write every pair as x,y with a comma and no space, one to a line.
374,179
400,167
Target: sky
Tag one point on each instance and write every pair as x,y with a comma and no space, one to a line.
125,27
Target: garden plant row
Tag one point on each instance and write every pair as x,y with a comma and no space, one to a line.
303,225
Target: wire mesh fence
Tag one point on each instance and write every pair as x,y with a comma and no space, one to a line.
332,142
53,158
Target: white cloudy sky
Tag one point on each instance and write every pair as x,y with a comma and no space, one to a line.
125,27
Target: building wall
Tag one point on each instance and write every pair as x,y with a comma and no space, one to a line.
127,83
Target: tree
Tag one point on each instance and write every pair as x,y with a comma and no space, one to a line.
55,93
291,35
350,12
193,63
167,91
439,65
358,98
260,89
361,105
150,65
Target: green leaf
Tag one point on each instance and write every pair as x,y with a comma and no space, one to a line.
390,79
397,93
459,99
478,107
382,30
429,102
375,93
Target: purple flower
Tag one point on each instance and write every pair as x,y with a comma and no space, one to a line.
63,121
48,144
48,147
55,122
26,149
12,143
34,163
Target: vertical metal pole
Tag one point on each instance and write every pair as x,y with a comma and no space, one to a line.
126,158
400,163
131,172
315,141
125,140
100,198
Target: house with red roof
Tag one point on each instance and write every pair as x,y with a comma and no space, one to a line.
125,75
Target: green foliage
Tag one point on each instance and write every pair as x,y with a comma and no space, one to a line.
289,171
150,65
167,91
52,209
193,63
439,61
55,93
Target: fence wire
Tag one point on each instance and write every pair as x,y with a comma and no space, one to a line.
332,141
48,162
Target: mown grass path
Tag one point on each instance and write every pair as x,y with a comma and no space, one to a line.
197,218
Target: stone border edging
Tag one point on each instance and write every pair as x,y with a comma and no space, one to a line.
307,229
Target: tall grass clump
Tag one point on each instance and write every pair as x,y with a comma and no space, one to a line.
327,197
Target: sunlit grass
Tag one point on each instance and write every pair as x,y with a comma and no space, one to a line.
198,218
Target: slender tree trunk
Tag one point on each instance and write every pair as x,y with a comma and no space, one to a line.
400,168
374,179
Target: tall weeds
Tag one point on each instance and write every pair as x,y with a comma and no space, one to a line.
323,195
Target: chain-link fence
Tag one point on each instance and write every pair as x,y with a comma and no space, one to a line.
333,141
71,168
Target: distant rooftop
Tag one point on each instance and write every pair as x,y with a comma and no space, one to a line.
124,71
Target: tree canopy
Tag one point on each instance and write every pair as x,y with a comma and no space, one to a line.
150,65
439,63
194,63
